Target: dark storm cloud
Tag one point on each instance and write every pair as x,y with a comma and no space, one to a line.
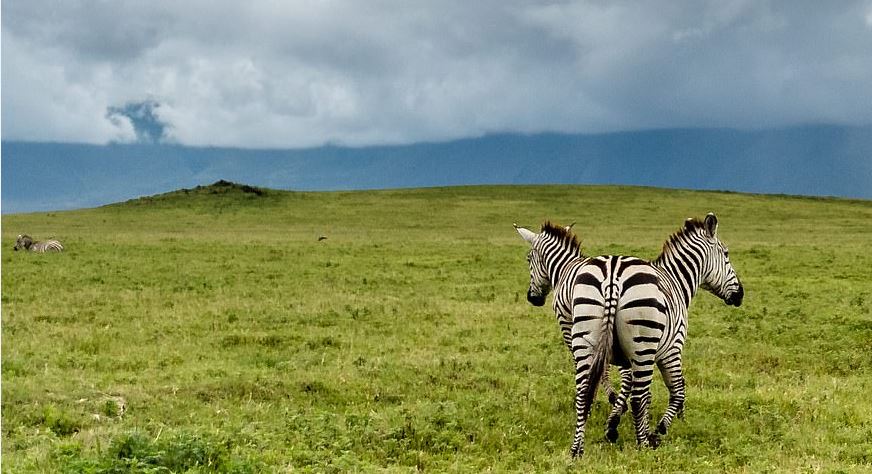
309,72
143,117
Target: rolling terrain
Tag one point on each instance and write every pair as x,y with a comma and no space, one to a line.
209,330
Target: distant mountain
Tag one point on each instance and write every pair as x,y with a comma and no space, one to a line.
813,160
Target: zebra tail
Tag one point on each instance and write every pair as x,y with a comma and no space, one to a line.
602,352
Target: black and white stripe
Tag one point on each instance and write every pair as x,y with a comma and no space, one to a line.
25,242
565,255
629,312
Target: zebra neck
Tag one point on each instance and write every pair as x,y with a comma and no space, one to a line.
557,264
683,270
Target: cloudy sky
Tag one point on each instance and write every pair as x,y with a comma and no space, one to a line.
305,73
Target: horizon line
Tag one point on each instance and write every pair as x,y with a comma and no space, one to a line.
486,135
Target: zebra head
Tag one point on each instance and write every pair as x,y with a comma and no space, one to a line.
552,244
718,274
23,242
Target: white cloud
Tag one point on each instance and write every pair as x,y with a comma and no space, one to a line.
44,100
266,74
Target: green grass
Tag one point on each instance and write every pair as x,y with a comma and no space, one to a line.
209,331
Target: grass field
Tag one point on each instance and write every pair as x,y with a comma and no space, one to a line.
210,330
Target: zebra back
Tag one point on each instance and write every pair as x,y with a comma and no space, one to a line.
47,246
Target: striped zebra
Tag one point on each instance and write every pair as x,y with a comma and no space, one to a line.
566,250
629,312
25,242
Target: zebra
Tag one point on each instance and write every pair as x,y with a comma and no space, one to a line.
569,250
25,242
630,312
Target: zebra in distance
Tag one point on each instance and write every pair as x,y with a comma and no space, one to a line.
629,312
25,242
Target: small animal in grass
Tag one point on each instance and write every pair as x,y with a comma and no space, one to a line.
26,242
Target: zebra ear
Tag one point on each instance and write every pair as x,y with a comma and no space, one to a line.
711,224
526,234
569,227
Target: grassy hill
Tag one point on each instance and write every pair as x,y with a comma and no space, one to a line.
209,329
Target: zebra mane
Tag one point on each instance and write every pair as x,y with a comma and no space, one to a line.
564,235
691,226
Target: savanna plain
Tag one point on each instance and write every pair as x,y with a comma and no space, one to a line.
209,330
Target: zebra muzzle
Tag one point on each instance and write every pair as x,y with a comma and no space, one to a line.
535,300
735,299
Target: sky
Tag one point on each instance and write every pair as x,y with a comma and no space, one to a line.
290,74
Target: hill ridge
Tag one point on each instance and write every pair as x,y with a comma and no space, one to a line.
813,160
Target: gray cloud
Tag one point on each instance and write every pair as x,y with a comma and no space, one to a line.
260,74
143,117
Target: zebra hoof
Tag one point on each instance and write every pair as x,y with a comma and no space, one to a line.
661,428
612,429
612,434
576,453
653,440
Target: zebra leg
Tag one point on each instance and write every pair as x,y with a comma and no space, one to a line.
607,386
642,372
582,409
626,386
619,406
670,369
640,400
620,397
